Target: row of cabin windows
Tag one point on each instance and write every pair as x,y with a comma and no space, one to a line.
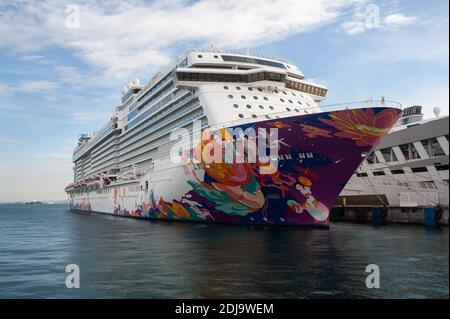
249,78
419,169
249,106
306,88
237,78
226,87
244,97
431,145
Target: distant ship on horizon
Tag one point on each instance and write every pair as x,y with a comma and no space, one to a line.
126,169
33,202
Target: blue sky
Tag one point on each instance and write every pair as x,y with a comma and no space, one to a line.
57,82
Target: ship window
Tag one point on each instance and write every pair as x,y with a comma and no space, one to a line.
284,92
275,91
371,159
261,107
267,116
241,115
419,169
259,89
432,147
271,107
428,184
397,171
200,56
306,112
389,155
281,100
378,173
300,103
250,89
288,109
230,96
216,57
293,94
265,98
235,106
297,110
225,87
238,87
361,174
409,151
249,106
441,167
243,97
290,101
254,116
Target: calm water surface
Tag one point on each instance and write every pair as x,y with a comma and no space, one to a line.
126,258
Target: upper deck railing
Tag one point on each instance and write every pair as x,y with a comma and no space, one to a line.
360,104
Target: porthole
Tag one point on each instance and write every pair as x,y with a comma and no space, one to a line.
241,115
230,96
267,117
271,107
238,88
216,57
225,87
266,98
259,89
235,106
255,97
199,56
294,94
282,100
276,91
249,106
290,101
288,109
261,107
306,112
300,103
254,116
297,110
243,97
284,92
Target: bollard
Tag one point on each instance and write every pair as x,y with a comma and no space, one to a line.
430,215
377,217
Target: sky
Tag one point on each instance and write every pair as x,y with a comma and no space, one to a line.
63,63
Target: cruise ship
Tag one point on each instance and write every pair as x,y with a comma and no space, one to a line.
285,159
407,171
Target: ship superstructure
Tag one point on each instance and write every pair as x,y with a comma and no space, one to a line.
125,168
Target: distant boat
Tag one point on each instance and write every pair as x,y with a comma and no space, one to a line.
51,202
34,202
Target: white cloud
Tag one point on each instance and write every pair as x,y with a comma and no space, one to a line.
354,27
29,86
123,38
38,86
398,19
